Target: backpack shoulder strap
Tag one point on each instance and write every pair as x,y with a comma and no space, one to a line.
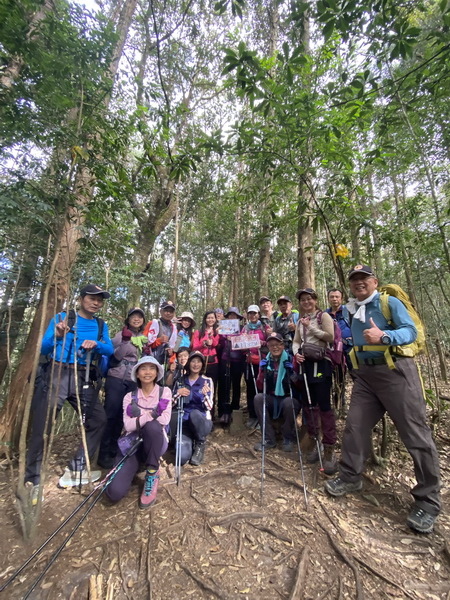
384,305
101,326
71,318
160,391
346,315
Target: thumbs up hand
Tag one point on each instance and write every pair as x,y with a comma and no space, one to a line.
373,335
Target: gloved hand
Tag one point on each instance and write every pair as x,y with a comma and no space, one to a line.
146,350
288,365
133,410
127,334
160,408
263,363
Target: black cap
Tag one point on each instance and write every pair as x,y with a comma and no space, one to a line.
264,299
309,291
361,269
167,304
284,299
93,290
274,337
136,310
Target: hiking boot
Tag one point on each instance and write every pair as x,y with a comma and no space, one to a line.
330,465
312,452
72,478
198,454
337,487
420,520
225,419
148,495
269,444
252,423
288,445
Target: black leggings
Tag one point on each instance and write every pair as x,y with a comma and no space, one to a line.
230,375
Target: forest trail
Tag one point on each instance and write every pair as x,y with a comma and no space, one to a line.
211,538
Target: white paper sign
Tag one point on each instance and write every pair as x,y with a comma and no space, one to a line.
246,341
228,326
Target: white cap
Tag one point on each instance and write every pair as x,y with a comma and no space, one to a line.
253,308
151,360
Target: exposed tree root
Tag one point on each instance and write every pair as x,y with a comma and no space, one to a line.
298,591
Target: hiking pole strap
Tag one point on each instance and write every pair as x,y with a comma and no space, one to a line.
300,457
104,484
263,440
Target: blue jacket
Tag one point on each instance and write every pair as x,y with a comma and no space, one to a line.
196,400
342,317
83,329
401,332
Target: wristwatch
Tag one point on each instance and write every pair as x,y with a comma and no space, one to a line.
385,339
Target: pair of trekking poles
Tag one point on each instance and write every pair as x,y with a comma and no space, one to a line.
263,433
96,494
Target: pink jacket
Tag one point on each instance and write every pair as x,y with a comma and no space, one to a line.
146,403
209,351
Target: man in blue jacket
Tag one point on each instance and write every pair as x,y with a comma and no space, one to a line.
379,389
72,340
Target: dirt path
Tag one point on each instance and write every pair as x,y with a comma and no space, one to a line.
211,537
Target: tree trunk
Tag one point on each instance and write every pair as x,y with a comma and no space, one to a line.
264,251
12,71
176,249
306,208
400,230
66,250
13,312
305,250
264,261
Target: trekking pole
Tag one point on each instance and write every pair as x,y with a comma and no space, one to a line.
165,366
102,485
311,408
263,441
84,390
179,439
300,457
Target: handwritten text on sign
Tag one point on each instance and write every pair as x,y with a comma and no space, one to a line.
246,341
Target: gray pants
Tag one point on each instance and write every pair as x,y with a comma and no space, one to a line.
398,392
288,427
45,398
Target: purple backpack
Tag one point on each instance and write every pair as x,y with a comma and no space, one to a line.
335,350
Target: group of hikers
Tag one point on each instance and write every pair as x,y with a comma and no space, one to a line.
169,383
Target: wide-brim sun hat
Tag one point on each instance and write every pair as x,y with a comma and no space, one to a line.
233,309
187,315
147,360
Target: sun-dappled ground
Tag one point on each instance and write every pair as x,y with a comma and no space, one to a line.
212,537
